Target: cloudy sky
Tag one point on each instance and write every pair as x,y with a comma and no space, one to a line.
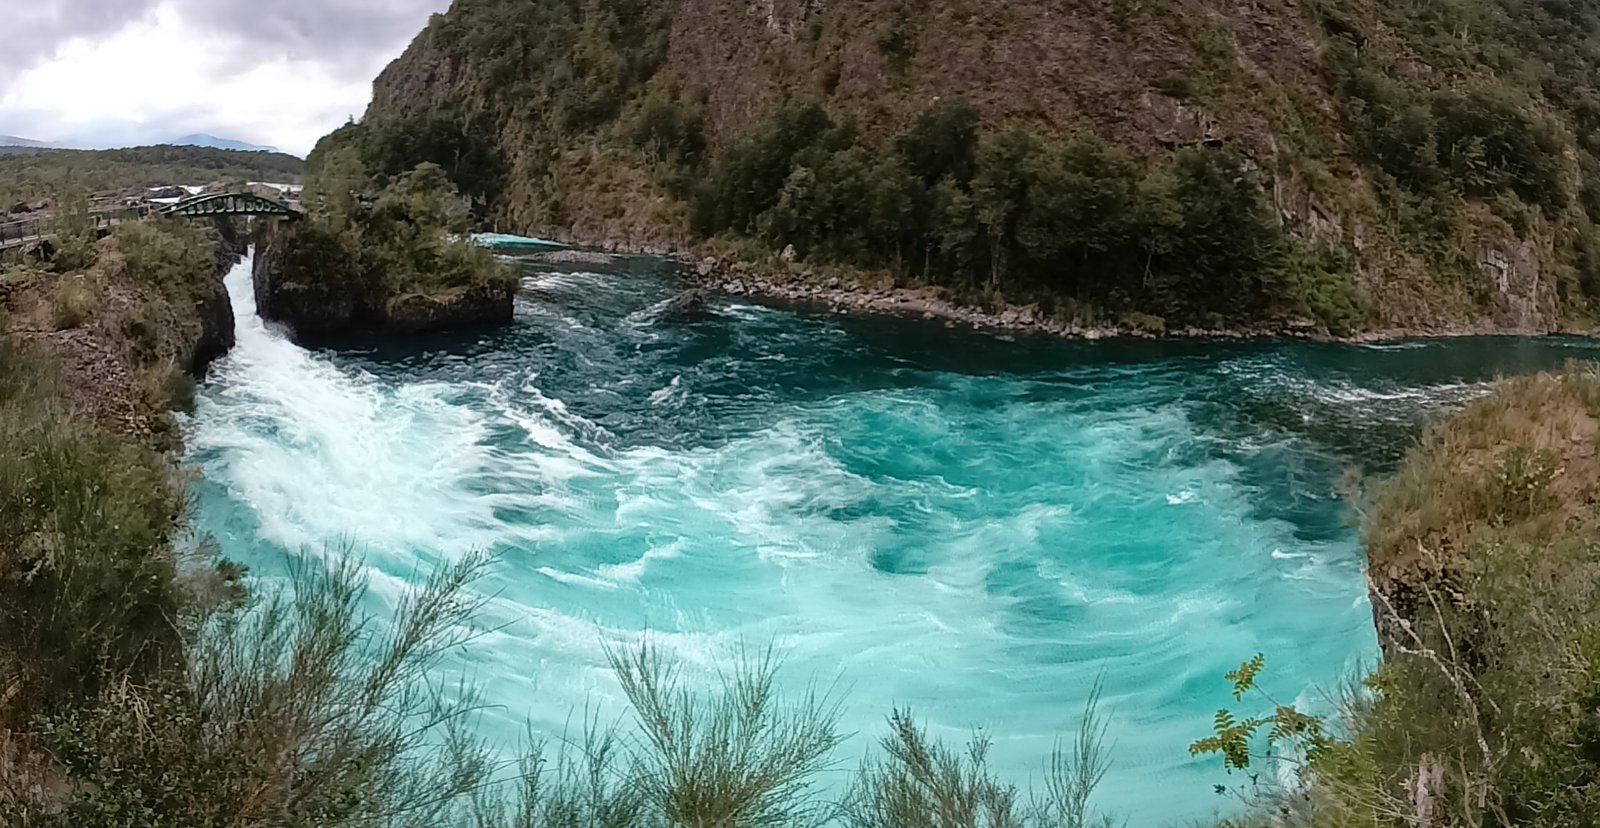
123,72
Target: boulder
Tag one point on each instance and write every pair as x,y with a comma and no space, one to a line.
688,306
413,313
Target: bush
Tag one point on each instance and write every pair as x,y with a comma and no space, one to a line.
86,576
1485,580
1321,286
1489,145
299,710
923,784
77,299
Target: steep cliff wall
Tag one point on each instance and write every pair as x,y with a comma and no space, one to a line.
1447,173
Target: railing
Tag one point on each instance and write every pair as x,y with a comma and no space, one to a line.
33,229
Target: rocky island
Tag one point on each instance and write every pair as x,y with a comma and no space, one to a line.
398,262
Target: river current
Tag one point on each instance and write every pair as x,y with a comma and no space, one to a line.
973,528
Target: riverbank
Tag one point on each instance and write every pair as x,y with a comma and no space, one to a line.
839,294
854,292
130,326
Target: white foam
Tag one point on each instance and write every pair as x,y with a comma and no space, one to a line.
672,393
322,453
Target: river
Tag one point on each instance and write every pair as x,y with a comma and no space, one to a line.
942,520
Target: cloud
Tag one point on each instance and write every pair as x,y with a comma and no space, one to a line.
36,30
330,31
278,72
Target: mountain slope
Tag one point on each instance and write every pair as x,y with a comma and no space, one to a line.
200,139
12,145
1430,161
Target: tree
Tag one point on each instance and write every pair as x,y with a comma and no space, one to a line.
942,142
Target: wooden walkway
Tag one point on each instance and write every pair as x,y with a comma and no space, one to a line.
30,231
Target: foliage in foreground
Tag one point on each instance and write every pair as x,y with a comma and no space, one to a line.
1485,573
300,710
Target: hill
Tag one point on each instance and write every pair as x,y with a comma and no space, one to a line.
12,145
50,172
200,139
1415,167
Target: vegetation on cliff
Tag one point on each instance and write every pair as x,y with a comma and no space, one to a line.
1405,166
1484,570
25,178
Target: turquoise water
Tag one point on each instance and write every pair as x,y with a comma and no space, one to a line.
942,520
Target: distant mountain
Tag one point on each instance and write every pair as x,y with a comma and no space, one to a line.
200,139
12,145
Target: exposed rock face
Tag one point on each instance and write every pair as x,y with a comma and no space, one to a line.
1524,300
284,278
215,309
475,306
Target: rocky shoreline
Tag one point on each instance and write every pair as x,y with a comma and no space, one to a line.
785,285
837,295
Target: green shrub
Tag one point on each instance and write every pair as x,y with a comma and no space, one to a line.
899,41
1321,285
920,783
77,300
86,576
1145,323
299,710
1489,145
671,132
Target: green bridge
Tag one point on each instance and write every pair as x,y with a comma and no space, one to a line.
24,234
228,204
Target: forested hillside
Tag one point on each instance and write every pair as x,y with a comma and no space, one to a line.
57,172
1340,163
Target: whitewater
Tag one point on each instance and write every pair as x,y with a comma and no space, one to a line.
972,528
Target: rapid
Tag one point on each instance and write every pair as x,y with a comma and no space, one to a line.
973,528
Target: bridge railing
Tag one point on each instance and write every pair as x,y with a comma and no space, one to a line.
16,231
19,230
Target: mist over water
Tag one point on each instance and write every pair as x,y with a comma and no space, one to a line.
972,528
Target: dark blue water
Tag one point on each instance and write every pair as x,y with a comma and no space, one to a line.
970,527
